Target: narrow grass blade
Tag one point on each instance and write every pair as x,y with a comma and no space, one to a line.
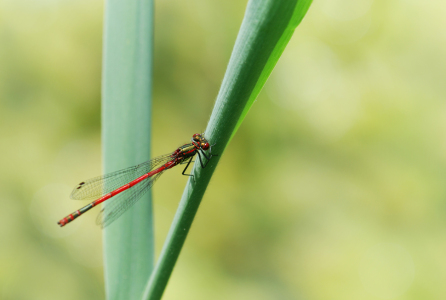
126,122
266,29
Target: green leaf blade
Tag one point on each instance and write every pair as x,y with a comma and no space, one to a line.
266,29
126,122
279,24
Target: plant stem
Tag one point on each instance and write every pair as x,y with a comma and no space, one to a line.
126,124
265,31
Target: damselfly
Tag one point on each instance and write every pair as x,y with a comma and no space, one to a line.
128,185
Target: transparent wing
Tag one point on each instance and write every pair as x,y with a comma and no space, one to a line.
101,185
122,202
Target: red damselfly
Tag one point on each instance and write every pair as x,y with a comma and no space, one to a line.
130,184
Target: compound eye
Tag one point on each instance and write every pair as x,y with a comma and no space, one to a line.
204,146
196,137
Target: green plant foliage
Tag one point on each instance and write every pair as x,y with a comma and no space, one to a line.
126,125
265,31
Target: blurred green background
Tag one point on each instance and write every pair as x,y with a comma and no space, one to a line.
333,188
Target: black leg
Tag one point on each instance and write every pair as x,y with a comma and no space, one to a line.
199,158
210,151
190,160
204,154
208,158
